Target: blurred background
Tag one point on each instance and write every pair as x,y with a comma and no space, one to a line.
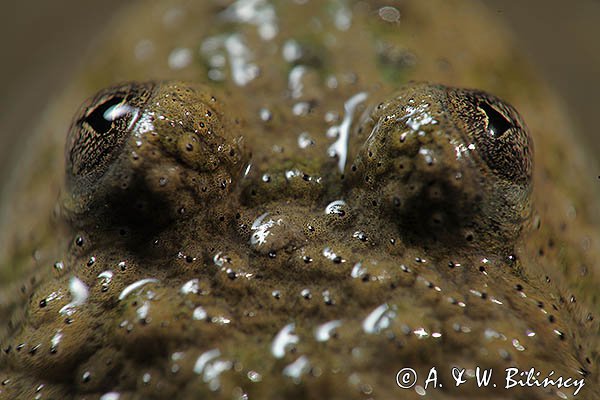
42,43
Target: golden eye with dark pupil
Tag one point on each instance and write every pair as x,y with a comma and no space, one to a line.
101,119
497,124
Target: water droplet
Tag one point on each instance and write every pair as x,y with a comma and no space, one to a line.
296,369
517,345
358,271
79,294
180,58
142,311
254,376
340,147
110,396
331,255
327,298
220,320
421,333
143,49
420,391
336,207
136,285
259,13
324,331
199,314
306,294
291,51
379,319
106,277
304,140
283,339
55,341
295,81
261,229
389,14
190,286
360,235
243,71
342,17
265,114
301,108
210,367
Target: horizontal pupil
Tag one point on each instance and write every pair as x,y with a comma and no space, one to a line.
497,123
100,119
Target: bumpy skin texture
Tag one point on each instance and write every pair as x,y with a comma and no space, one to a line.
272,260
175,175
447,163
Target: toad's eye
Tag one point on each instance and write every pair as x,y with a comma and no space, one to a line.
143,149
447,163
497,124
497,131
102,117
100,130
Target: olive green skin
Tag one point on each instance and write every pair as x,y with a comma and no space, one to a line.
507,251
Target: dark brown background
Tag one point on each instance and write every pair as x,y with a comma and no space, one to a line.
41,43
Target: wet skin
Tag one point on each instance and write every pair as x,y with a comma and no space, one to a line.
314,268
